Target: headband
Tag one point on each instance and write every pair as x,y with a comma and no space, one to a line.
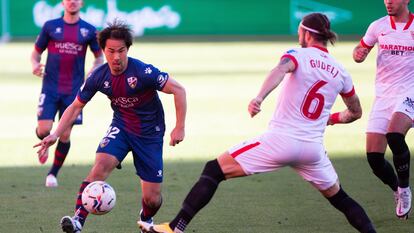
309,29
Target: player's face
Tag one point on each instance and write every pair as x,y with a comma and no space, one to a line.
72,6
395,7
116,54
301,35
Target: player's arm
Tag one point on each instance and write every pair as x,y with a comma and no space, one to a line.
352,113
37,67
99,59
286,65
180,101
360,53
67,120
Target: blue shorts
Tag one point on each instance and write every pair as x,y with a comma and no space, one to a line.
51,103
147,153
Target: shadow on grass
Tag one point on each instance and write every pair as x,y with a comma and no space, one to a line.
274,202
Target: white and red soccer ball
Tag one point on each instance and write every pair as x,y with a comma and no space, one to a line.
98,197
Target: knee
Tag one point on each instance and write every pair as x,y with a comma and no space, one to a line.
213,172
376,160
42,132
394,138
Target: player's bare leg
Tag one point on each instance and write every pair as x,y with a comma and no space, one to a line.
399,125
215,171
42,131
354,213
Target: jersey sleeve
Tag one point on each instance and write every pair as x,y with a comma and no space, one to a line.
348,88
156,78
293,55
88,89
371,36
42,39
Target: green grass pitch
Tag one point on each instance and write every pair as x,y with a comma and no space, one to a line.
220,79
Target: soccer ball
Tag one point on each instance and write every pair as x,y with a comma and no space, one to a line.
98,197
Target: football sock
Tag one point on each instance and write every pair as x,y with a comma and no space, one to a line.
80,211
401,157
61,151
148,211
199,196
382,169
354,213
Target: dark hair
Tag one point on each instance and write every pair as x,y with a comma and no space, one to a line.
320,23
118,30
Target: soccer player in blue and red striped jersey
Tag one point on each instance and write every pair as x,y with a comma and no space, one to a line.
66,39
138,121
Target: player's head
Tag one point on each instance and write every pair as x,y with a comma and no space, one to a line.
72,7
115,41
316,27
396,7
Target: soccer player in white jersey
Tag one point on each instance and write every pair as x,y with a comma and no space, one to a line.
392,113
311,79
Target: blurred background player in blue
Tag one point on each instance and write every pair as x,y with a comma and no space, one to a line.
66,40
312,79
138,121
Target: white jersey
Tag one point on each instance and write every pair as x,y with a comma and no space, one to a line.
308,93
395,59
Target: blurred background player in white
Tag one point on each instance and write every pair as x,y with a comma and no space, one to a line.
138,123
392,113
66,40
312,79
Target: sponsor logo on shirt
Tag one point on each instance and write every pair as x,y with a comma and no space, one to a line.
132,82
291,51
68,47
412,34
84,32
125,102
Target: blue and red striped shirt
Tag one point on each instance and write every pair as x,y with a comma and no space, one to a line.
133,95
66,45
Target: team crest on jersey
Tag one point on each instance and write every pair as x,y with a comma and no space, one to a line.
132,82
162,79
104,142
58,30
84,32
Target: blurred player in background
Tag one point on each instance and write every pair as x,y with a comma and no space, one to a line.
392,113
138,123
66,40
312,81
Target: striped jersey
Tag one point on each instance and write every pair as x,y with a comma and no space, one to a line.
66,45
133,95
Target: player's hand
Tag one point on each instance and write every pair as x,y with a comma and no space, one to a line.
360,54
254,106
38,70
177,136
44,146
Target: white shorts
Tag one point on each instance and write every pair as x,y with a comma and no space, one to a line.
383,108
272,151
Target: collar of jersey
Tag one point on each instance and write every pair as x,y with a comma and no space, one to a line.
407,25
321,48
